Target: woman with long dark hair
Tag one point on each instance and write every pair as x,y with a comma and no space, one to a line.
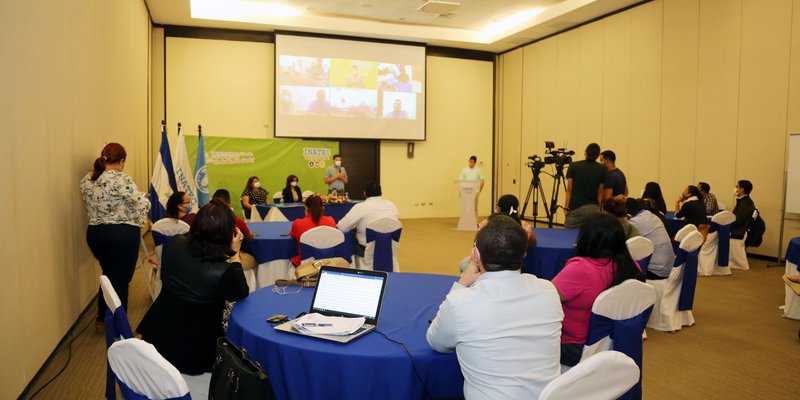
601,261
253,194
171,225
200,271
652,195
690,206
292,192
117,210
314,218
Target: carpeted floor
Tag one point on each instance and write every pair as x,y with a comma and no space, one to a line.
740,347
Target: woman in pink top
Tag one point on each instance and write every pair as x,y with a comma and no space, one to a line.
601,261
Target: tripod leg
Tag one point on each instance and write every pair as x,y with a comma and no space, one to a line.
527,198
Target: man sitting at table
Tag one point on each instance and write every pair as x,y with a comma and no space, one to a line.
504,326
374,207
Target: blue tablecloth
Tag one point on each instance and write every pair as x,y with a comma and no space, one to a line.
553,248
674,225
793,251
293,211
369,367
269,245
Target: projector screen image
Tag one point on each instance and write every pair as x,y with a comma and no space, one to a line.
333,88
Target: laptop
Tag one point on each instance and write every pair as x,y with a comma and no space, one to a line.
346,292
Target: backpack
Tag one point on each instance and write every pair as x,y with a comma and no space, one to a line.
755,233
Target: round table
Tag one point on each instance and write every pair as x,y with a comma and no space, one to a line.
370,367
293,211
553,248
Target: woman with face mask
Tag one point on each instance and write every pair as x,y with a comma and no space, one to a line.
253,194
292,192
117,210
186,209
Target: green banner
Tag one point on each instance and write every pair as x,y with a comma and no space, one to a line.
231,161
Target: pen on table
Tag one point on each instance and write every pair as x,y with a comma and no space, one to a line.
313,324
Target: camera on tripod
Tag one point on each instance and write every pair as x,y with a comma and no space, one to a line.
559,157
536,162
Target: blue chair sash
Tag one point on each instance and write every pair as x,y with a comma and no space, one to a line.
308,251
627,337
383,257
643,264
116,326
680,256
130,394
689,282
161,239
723,242
793,252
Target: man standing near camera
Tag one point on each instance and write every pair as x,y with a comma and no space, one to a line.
615,183
584,187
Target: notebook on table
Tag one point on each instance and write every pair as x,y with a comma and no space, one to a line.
345,292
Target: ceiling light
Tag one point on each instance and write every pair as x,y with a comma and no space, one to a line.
240,10
438,7
511,22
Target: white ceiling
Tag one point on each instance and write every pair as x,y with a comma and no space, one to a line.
473,24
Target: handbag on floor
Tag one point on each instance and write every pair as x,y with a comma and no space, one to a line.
235,377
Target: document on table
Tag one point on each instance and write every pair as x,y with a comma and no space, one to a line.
319,324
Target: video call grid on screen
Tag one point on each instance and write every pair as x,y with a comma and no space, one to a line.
330,88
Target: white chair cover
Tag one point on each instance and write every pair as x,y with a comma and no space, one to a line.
665,316
738,256
109,294
275,215
277,197
321,237
307,194
198,385
165,228
685,231
604,376
791,307
139,366
721,206
708,263
382,225
640,247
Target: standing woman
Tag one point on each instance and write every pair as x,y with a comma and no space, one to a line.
253,194
292,193
117,210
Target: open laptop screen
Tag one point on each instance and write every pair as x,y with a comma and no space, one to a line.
349,292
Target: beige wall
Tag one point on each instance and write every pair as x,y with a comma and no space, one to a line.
227,86
74,76
681,90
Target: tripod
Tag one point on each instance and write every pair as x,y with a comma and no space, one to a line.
538,192
559,180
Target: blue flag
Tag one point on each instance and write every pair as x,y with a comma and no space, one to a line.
200,173
163,183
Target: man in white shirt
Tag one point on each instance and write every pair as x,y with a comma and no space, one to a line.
504,326
473,173
374,207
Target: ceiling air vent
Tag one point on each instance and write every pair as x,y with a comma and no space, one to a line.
438,7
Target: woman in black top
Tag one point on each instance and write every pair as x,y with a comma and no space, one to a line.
652,194
253,194
292,192
690,206
199,271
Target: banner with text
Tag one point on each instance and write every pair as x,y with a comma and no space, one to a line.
231,161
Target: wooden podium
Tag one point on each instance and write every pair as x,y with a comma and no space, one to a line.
468,220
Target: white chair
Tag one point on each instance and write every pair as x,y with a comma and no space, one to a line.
321,242
713,257
619,316
144,373
116,327
666,315
162,231
685,231
721,206
307,194
380,253
604,376
277,198
738,255
641,248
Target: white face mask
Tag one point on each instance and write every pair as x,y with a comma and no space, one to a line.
257,184
337,163
294,183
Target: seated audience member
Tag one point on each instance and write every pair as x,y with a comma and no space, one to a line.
652,194
172,224
505,350
225,197
652,227
201,271
252,195
292,193
616,207
710,201
185,213
374,207
690,206
508,204
601,261
743,210
313,219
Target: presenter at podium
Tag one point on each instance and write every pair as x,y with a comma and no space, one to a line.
336,176
473,173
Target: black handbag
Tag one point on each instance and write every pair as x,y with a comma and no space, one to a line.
235,377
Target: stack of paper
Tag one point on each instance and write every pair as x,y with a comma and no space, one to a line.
323,325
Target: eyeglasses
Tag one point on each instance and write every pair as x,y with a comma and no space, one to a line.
286,289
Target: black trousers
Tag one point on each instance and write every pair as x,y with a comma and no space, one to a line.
116,247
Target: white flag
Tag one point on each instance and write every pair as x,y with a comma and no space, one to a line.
184,175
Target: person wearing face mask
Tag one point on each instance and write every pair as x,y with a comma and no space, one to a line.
690,206
292,193
117,210
172,224
744,208
185,209
253,194
336,176
286,103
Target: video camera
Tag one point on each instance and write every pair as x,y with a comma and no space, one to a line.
536,162
559,157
